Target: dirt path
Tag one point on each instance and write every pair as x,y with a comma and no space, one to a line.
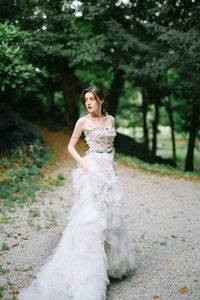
162,216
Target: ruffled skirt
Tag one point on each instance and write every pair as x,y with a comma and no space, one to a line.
95,243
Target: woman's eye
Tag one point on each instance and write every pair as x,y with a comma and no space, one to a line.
89,100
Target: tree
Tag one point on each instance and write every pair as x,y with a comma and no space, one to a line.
14,67
181,45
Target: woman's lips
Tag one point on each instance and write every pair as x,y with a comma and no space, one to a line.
89,107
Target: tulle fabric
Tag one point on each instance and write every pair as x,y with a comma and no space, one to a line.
95,244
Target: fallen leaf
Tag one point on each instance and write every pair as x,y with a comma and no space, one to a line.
137,282
146,263
21,270
19,234
32,276
15,237
15,292
155,297
14,245
174,236
184,290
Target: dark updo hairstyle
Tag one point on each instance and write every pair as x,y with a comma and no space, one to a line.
97,92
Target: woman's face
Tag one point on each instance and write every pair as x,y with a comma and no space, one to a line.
91,103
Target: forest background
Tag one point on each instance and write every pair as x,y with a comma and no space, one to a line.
144,54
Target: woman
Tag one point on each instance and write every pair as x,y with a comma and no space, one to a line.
95,243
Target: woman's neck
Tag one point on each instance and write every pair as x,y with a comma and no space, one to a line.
95,115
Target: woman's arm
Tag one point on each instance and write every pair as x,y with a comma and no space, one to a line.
78,129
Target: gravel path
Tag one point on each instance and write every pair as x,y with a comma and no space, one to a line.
162,216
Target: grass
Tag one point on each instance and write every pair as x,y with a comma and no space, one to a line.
163,170
34,213
51,218
2,270
22,169
25,176
4,247
163,244
165,151
164,145
8,289
2,289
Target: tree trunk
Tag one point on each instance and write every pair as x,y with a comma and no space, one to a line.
144,118
189,162
171,120
114,95
68,84
155,127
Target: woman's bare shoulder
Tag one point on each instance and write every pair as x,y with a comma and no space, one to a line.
82,121
112,119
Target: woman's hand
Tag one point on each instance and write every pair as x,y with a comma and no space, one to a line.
85,167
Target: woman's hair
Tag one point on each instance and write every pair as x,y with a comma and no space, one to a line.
97,92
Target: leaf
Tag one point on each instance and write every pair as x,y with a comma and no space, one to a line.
174,236
15,292
184,290
14,245
33,276
163,244
155,297
171,265
21,269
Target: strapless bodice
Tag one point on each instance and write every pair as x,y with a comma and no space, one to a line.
100,140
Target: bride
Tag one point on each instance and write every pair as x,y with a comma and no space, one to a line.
95,243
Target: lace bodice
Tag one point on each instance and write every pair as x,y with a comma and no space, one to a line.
100,140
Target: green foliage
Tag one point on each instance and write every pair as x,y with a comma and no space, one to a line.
59,180
2,270
51,218
14,131
4,246
159,169
60,177
22,166
21,180
2,289
154,46
34,213
129,108
14,69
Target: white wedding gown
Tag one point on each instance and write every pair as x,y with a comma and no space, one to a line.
95,243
